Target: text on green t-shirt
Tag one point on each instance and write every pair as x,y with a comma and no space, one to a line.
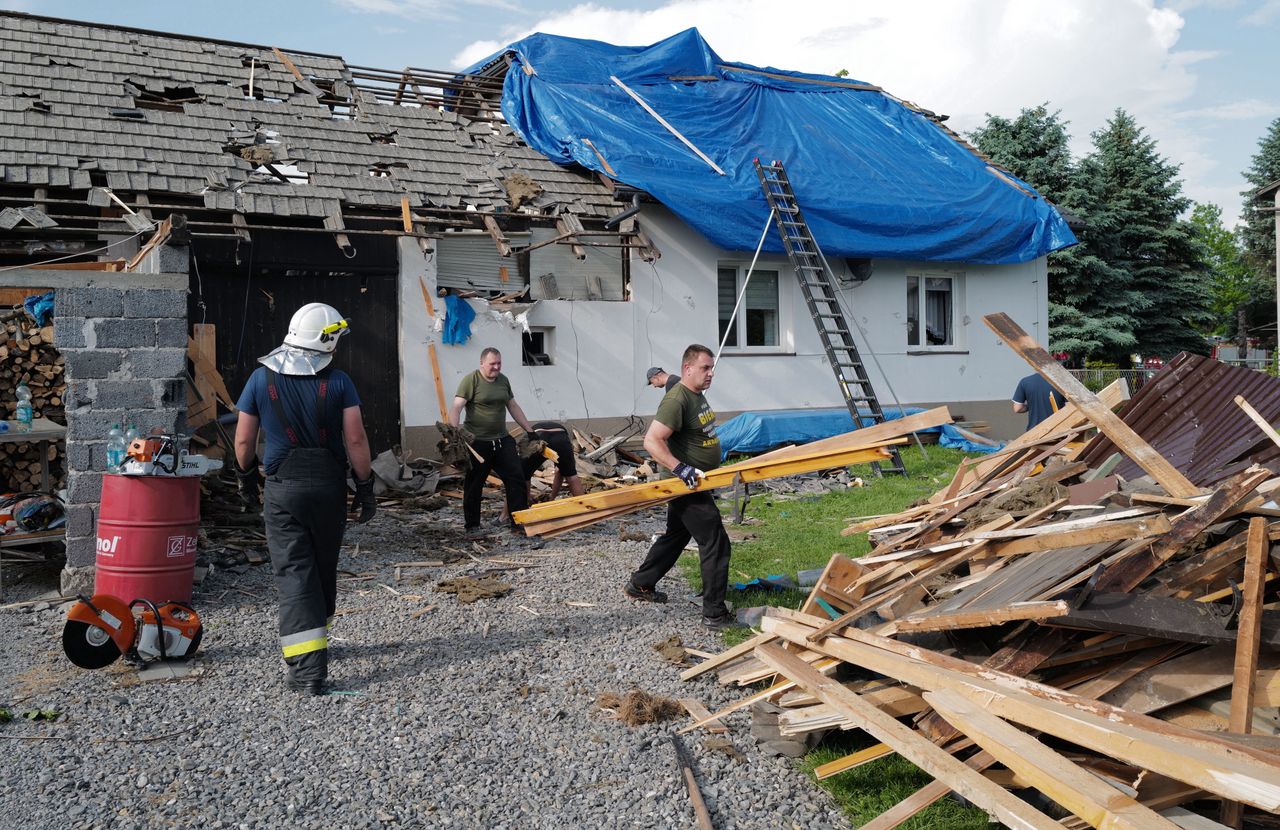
693,423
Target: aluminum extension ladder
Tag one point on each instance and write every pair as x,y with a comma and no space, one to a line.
817,285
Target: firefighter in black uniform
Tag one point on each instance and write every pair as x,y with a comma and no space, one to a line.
310,414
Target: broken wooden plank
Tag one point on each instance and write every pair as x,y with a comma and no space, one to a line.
934,760
983,618
1085,795
1203,760
1078,537
699,713
1120,433
1248,635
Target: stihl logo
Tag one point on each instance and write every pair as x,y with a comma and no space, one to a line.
181,545
107,547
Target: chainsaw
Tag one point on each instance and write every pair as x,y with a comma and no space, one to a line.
100,629
165,455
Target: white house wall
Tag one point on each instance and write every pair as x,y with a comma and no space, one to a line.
600,349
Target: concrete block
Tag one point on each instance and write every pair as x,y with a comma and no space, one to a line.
95,363
88,302
68,332
158,363
124,394
154,303
79,394
81,520
165,420
125,334
171,393
171,332
84,488
93,424
87,455
77,577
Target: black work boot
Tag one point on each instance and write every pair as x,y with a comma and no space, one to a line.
313,687
643,594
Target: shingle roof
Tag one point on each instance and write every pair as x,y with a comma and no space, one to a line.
69,102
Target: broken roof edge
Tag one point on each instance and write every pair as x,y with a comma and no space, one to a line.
157,33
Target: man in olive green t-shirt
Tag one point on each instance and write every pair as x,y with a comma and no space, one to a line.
487,397
682,438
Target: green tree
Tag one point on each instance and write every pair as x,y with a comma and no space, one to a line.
1232,284
1258,227
1136,281
1032,146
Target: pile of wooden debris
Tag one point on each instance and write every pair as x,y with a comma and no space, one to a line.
1044,622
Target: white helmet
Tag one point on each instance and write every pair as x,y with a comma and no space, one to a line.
317,327
308,347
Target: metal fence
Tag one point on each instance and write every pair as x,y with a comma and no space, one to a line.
1096,379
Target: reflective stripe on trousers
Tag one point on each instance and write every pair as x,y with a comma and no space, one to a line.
304,641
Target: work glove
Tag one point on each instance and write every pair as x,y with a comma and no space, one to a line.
688,474
364,500
249,485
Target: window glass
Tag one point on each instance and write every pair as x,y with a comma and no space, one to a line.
761,309
727,288
913,311
937,309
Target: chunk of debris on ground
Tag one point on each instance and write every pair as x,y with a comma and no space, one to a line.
637,707
470,589
672,650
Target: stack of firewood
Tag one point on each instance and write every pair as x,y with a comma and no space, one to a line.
27,355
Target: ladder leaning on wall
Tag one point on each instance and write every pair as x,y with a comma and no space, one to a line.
817,283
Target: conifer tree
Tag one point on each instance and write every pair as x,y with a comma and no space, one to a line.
1258,226
1137,281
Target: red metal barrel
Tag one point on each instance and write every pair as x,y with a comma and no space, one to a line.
147,528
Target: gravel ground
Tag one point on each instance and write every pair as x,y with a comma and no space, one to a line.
479,715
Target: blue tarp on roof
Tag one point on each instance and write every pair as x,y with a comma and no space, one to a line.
753,432
874,177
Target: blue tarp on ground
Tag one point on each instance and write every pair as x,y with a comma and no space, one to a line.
874,178
753,432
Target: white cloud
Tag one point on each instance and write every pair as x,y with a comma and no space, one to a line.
420,9
965,58
1235,110
1266,12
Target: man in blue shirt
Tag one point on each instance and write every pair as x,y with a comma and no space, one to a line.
310,414
1037,398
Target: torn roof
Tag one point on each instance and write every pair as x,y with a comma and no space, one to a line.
874,175
84,105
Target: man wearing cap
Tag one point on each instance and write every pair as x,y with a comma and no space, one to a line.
310,413
682,437
660,378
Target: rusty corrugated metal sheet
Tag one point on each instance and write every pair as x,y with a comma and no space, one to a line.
1187,413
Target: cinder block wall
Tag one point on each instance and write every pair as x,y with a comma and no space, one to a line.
124,337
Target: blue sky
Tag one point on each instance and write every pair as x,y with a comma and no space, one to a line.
1199,75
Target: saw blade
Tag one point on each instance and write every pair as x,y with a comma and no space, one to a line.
88,646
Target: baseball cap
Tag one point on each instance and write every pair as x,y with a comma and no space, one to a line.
653,370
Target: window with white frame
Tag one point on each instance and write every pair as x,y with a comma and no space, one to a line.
759,321
932,304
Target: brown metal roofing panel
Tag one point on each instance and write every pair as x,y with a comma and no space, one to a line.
1187,413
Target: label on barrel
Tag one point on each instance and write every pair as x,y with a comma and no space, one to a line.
107,547
181,546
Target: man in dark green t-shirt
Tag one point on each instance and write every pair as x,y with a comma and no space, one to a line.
682,438
486,396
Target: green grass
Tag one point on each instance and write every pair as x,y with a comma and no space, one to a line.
798,534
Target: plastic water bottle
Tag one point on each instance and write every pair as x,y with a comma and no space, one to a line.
115,449
22,413
130,435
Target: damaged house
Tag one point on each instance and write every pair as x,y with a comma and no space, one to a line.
611,222
302,177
